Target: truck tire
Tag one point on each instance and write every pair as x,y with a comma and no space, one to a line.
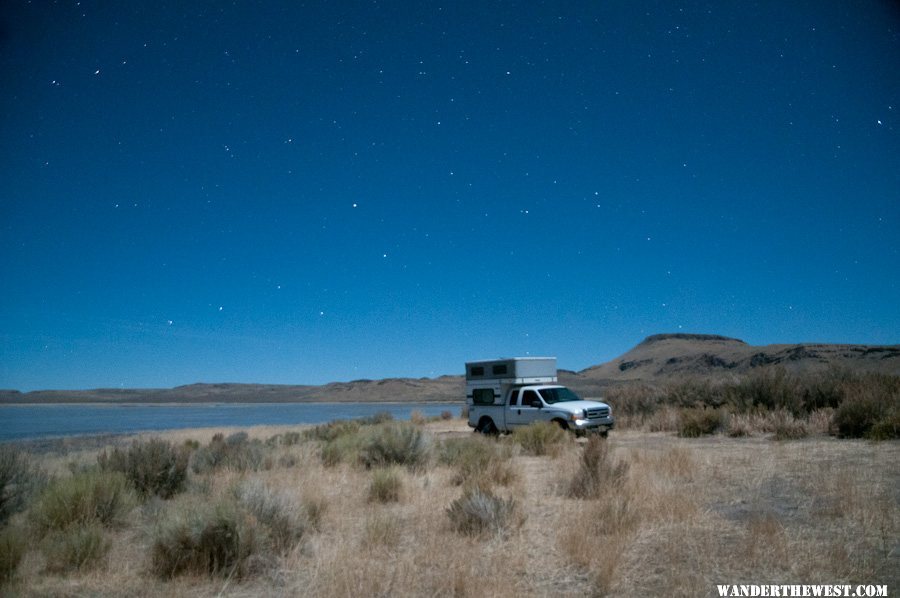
486,426
562,425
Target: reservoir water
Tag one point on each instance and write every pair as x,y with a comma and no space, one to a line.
19,422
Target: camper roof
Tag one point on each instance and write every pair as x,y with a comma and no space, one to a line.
514,368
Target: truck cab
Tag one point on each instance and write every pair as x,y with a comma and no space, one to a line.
505,394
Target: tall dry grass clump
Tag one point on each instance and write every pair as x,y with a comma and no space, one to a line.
76,548
236,452
787,427
598,537
479,460
597,471
93,497
541,438
332,430
154,467
417,418
386,485
479,511
285,521
20,480
13,543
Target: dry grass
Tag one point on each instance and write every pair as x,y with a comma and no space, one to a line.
689,513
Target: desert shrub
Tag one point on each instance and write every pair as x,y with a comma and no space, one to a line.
386,485
768,389
332,430
634,399
97,497
290,438
381,417
285,439
698,421
75,548
288,460
235,452
191,444
478,460
418,418
887,428
479,511
285,522
871,407
13,544
826,390
856,418
342,449
597,471
695,392
541,438
20,479
217,539
154,467
446,415
395,443
464,412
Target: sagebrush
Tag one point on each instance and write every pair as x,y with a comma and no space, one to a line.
154,467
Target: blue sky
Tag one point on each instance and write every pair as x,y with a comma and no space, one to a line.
300,193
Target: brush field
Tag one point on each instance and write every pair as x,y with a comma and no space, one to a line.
389,508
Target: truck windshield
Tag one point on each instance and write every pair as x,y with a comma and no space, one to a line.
558,395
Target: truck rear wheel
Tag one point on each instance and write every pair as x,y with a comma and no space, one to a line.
486,426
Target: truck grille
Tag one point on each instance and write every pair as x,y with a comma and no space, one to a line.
598,413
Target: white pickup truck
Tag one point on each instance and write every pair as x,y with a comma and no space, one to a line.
503,394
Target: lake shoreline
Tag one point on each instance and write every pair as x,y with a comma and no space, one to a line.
43,421
219,403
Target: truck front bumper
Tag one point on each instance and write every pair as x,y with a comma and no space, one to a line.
584,426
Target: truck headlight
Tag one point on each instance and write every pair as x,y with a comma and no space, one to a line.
574,417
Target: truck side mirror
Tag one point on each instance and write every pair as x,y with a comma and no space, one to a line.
537,403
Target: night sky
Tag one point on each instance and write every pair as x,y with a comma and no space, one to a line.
299,193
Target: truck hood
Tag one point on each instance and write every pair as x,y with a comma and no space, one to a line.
576,406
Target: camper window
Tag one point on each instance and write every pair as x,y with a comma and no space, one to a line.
476,370
483,396
499,370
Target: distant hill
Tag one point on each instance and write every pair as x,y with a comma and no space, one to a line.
443,389
659,359
664,358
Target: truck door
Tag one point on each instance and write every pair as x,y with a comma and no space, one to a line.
513,412
525,413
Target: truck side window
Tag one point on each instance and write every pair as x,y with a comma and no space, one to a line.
513,394
527,397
